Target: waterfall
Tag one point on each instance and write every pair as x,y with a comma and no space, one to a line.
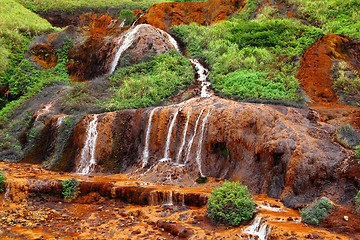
145,157
203,74
188,150
59,121
168,195
45,109
153,198
258,229
171,40
183,138
168,138
198,153
128,40
7,192
87,165
122,24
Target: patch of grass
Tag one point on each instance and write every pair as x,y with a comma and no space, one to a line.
317,211
146,84
2,181
231,204
71,6
70,188
239,51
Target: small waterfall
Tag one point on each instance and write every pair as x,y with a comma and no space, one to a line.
198,153
188,150
145,157
7,192
59,121
168,198
203,74
171,40
87,165
45,109
153,198
128,40
258,229
122,24
168,138
183,138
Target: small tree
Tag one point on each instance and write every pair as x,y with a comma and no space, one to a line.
70,187
231,204
127,16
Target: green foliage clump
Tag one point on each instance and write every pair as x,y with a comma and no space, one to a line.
2,181
333,16
127,16
231,204
70,188
146,84
317,211
242,50
347,136
357,203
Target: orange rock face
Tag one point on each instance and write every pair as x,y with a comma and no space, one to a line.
165,15
284,152
315,69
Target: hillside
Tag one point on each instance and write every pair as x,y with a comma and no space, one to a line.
171,93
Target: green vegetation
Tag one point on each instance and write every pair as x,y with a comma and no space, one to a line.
127,16
69,5
357,203
70,188
17,25
146,84
231,204
317,211
251,59
2,181
333,16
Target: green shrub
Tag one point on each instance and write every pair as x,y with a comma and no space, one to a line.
127,16
317,211
146,84
357,203
231,204
2,181
70,188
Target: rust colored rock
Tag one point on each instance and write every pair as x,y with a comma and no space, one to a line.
175,229
165,15
315,68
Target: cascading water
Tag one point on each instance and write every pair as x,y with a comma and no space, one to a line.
145,157
7,192
183,139
59,121
258,229
168,139
198,153
88,161
168,195
203,74
188,150
126,40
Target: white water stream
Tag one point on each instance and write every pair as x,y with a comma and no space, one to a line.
258,229
168,138
183,139
203,74
88,161
59,121
198,152
145,157
7,192
188,150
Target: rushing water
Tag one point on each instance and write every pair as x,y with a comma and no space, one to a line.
183,141
59,121
88,161
145,157
258,229
168,138
188,150
127,39
200,144
203,74
7,192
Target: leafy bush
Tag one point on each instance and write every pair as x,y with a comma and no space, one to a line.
127,16
145,84
70,187
317,211
231,204
2,181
